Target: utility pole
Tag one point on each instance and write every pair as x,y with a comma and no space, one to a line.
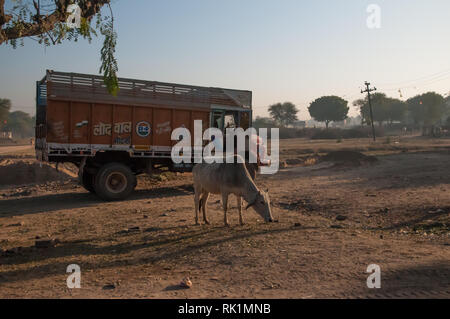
368,90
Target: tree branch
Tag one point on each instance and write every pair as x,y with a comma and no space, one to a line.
27,29
4,18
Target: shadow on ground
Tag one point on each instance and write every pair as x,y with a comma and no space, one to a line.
55,202
155,248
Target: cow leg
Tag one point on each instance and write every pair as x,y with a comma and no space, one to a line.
239,204
196,202
225,208
205,198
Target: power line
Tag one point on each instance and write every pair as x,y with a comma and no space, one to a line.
425,83
416,87
425,78
394,86
440,79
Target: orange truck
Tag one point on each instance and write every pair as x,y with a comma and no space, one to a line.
112,139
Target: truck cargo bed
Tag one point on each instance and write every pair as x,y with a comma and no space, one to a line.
76,116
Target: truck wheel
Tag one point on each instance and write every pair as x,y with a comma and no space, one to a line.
114,181
87,181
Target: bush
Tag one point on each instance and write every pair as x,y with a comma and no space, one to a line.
330,134
340,134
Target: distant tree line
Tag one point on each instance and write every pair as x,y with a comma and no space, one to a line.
21,124
423,111
326,109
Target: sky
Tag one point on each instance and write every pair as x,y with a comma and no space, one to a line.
282,50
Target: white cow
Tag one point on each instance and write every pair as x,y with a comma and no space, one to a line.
226,179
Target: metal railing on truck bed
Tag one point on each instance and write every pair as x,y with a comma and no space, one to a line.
91,88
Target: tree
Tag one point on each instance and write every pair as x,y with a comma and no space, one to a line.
385,109
45,22
5,106
283,114
20,124
379,108
328,109
396,110
360,103
426,109
447,109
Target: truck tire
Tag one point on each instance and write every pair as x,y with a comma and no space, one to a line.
87,181
114,181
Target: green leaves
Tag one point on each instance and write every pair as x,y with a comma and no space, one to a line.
329,108
20,123
283,113
46,24
109,63
424,109
385,109
427,108
5,106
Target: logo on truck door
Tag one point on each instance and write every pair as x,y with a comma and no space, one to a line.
143,129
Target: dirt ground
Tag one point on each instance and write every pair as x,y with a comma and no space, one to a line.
333,222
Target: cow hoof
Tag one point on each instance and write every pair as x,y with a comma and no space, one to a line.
207,222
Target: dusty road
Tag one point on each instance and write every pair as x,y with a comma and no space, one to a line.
333,223
15,149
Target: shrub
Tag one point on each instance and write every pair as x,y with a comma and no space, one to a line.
330,134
